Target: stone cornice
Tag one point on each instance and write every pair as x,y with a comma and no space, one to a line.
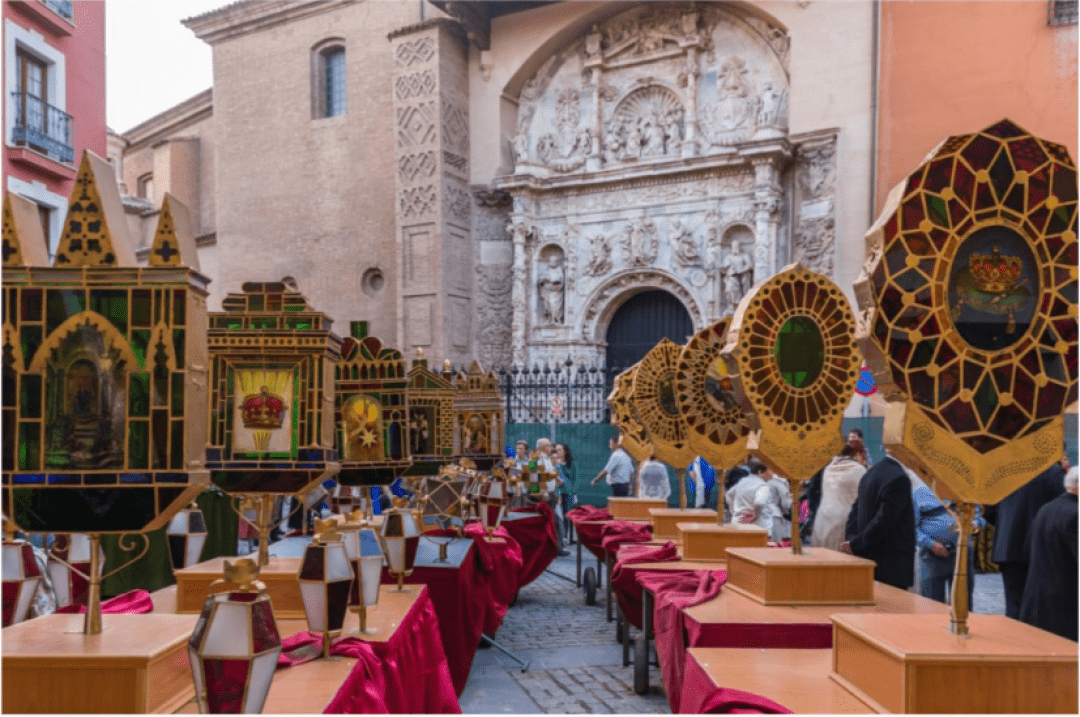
248,16
177,117
450,24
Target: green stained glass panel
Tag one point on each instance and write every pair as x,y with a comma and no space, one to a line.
177,400
30,336
255,303
29,446
31,305
138,444
300,324
800,351
176,450
8,426
178,346
139,395
112,305
160,433
30,396
61,305
140,340
266,322
141,307
179,307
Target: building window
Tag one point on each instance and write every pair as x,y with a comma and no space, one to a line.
146,187
45,215
38,123
329,79
1062,12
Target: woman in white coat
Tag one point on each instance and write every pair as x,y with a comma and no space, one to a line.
839,489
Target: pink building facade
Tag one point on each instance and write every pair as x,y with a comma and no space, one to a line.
54,99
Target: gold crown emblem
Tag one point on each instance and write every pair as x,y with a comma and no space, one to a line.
995,273
262,410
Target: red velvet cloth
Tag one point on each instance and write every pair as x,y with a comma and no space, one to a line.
700,695
588,512
813,636
673,594
407,674
135,602
623,577
538,540
620,532
461,601
500,563
590,532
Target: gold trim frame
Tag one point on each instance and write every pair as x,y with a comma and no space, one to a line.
983,421
653,389
635,438
797,429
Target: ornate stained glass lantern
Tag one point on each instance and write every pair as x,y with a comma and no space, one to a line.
653,397
480,417
431,417
491,498
186,536
346,499
68,562
794,365
400,535
235,645
104,371
717,426
968,318
273,359
633,436
444,502
326,579
21,578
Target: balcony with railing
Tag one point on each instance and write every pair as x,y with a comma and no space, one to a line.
55,16
43,128
62,8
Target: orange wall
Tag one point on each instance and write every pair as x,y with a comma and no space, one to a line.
956,67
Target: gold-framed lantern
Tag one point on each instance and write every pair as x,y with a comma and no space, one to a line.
235,645
490,499
653,397
365,553
704,391
794,366
107,360
968,318
186,536
400,534
633,436
21,578
273,359
326,579
431,417
479,417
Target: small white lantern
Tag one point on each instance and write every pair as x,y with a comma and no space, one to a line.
186,536
21,578
326,579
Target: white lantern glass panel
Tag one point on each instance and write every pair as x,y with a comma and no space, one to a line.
60,576
262,672
370,577
314,596
229,635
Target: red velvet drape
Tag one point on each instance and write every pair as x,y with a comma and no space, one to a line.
701,696
134,601
624,582
538,540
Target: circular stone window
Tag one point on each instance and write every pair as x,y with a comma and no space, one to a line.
372,282
800,351
993,288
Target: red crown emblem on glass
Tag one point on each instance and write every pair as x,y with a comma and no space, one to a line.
994,273
262,410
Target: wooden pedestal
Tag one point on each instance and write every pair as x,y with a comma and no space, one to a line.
138,664
280,577
913,663
665,521
708,541
776,576
633,508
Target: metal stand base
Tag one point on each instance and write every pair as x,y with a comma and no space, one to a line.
524,663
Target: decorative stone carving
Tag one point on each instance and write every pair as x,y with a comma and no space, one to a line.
770,106
684,247
600,258
494,315
733,117
552,286
602,298
657,32
737,267
817,173
647,123
814,244
641,242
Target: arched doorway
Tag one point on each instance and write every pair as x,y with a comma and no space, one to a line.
640,323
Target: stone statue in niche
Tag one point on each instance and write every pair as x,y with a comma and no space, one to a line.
738,274
521,148
769,111
653,134
613,142
633,142
552,290
600,260
641,242
683,245
673,130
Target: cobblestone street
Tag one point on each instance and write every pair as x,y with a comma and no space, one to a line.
575,663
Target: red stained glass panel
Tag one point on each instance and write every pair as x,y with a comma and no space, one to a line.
225,683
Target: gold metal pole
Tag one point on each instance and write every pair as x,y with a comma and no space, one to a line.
363,619
965,516
796,538
326,644
92,622
681,473
719,497
266,506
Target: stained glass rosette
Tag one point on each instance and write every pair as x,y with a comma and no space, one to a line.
792,356
969,310
653,398
718,427
635,438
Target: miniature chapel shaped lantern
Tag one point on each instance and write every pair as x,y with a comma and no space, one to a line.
104,371
431,417
479,417
371,411
271,405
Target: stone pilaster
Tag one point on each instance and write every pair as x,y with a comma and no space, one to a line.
767,198
433,208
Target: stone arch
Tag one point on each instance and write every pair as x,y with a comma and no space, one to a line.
86,318
606,299
730,232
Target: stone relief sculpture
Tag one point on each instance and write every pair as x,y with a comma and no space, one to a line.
648,123
769,112
818,164
600,258
494,316
566,149
814,245
641,242
738,273
552,288
683,245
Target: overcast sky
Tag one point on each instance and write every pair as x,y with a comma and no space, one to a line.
152,61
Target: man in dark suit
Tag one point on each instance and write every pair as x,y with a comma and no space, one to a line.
1015,515
881,525
1050,596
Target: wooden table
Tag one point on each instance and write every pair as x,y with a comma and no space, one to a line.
633,508
309,687
280,577
796,679
666,520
